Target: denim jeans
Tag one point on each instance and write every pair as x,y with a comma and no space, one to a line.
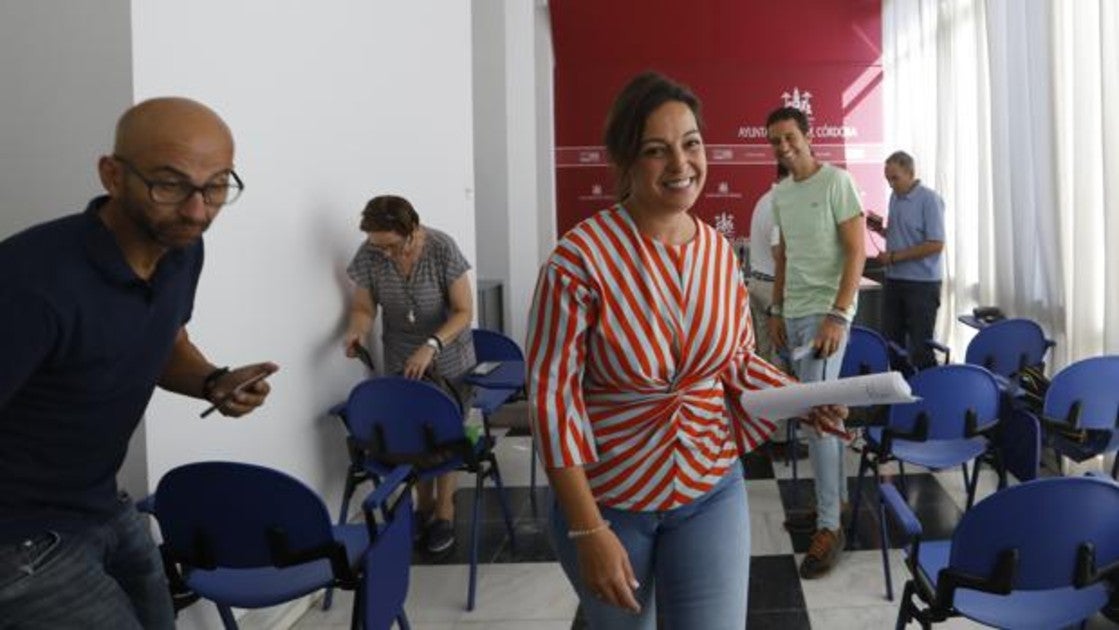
105,576
693,562
824,451
909,317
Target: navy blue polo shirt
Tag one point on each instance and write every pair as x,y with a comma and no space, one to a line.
83,340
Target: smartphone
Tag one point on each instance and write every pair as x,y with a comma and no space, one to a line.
485,367
364,356
236,390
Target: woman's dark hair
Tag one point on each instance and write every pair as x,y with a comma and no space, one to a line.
389,213
626,122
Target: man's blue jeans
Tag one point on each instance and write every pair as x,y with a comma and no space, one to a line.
106,576
695,559
825,451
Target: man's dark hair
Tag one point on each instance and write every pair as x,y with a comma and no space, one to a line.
788,113
626,122
389,213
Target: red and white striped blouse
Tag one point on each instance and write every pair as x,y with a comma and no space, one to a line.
639,355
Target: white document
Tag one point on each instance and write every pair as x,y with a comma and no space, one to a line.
794,401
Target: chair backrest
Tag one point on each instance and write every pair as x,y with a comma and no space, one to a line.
491,345
387,567
867,353
403,417
236,515
1046,521
1007,346
1094,384
948,394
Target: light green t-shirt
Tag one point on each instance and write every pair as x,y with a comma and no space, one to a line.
809,213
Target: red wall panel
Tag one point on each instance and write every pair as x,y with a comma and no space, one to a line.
743,59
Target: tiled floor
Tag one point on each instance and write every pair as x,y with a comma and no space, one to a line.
524,588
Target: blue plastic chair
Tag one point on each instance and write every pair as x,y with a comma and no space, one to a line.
867,352
490,345
1004,348
1081,409
1038,555
958,405
246,536
386,568
394,420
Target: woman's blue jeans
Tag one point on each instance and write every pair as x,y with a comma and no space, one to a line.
693,562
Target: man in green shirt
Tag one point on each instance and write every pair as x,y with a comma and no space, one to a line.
818,263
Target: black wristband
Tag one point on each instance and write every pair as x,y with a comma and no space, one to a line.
211,379
438,341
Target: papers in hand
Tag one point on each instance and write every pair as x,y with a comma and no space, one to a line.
794,401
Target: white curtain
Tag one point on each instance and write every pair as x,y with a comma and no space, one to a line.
1002,103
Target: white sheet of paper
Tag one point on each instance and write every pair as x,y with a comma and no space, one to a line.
796,400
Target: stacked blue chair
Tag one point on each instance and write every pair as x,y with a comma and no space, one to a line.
394,420
946,428
492,346
1043,554
1005,348
246,536
1081,409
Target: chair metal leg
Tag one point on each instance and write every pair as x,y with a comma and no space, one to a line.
343,513
357,611
864,465
532,472
904,487
904,608
503,500
974,484
474,542
884,536
227,620
791,445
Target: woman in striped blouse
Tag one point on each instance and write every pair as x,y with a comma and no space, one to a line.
640,351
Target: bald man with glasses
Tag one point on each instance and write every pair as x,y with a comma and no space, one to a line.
93,314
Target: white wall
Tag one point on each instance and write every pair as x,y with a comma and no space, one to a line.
330,103
490,146
64,79
514,148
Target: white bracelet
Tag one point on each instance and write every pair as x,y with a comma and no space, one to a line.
583,533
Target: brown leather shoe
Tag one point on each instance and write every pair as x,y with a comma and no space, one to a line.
823,554
801,522
804,521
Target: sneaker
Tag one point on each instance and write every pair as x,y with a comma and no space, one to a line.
440,536
823,554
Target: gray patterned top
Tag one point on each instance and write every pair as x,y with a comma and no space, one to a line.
425,294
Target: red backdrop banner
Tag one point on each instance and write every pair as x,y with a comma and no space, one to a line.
743,59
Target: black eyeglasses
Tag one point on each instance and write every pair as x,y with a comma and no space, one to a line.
176,191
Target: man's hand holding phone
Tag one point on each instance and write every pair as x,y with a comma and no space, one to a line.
876,223
241,390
